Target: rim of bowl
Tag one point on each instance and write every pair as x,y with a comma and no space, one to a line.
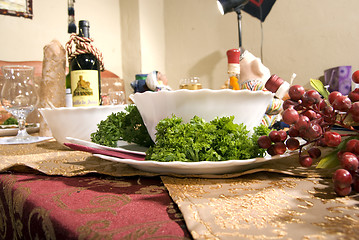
227,91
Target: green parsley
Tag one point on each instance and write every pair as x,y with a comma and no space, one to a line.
127,125
10,121
218,140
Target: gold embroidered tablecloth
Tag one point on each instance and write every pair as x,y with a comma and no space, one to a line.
279,200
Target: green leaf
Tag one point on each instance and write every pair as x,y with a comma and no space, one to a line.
329,161
318,85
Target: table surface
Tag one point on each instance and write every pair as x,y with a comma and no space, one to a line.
51,192
87,207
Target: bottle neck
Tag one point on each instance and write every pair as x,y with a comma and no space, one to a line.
84,32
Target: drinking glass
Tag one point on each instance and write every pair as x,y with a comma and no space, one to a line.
116,97
19,97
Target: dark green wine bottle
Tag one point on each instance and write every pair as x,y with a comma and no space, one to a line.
85,75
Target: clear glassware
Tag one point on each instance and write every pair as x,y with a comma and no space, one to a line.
19,97
192,83
117,97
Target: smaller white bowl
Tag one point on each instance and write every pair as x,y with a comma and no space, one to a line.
247,107
76,122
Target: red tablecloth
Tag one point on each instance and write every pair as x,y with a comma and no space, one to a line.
34,206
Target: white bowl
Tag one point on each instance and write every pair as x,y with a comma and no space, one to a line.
76,122
248,107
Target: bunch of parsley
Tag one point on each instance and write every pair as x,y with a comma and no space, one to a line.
10,121
127,125
218,140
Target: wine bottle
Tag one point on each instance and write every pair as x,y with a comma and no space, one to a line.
85,74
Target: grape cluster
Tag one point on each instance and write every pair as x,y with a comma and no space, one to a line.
347,177
311,118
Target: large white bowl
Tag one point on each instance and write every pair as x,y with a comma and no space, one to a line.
76,122
248,107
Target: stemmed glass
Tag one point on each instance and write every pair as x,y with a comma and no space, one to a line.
19,97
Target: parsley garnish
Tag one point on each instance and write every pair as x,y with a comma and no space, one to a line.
127,125
218,140
10,121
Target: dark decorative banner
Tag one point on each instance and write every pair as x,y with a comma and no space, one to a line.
259,8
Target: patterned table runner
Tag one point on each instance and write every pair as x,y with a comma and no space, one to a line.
264,206
278,200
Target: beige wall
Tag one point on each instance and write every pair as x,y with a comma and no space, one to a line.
190,38
197,38
307,37
23,39
152,31
300,36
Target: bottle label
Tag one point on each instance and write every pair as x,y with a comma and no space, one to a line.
85,88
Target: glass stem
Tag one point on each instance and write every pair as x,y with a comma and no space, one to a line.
22,128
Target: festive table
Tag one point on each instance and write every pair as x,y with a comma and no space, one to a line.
51,192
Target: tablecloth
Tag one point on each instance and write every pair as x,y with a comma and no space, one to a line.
278,200
48,191
34,206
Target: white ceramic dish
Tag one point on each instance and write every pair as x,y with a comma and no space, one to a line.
246,106
13,129
122,146
197,168
76,122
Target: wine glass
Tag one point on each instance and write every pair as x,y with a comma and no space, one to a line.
116,97
19,97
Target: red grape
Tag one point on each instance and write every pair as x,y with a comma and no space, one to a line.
314,152
321,104
293,132
279,148
349,161
355,76
328,110
275,136
283,135
352,146
333,95
328,114
321,142
354,110
332,139
340,154
342,191
264,142
302,123
355,118
310,97
290,116
299,107
342,103
292,143
305,161
356,182
310,114
296,92
314,131
354,95
271,151
289,104
318,120
342,178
